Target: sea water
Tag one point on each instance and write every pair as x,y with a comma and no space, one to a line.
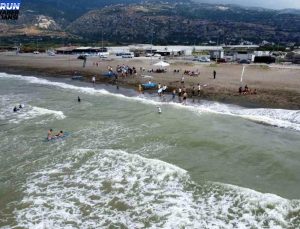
123,165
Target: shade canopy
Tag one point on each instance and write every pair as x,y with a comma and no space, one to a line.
162,64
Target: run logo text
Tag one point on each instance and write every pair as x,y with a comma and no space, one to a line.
9,9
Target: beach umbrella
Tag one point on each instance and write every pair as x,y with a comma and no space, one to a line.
162,64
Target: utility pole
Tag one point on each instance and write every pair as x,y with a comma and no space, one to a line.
242,75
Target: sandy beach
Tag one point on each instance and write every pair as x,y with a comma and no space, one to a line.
277,87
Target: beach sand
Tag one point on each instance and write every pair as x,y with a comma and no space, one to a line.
277,86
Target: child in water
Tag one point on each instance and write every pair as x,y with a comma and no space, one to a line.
159,110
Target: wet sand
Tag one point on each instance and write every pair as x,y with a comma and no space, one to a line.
276,87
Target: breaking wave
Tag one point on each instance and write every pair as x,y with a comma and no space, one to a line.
276,117
115,189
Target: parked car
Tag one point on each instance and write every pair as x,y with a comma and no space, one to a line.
244,61
103,54
120,53
149,54
157,55
36,52
127,55
81,57
50,53
202,59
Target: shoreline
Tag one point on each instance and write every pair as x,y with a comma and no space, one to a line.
277,97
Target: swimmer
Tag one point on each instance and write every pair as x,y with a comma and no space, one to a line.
49,135
15,109
159,110
78,99
60,134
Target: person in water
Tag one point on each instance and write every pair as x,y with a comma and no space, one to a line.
78,99
49,135
94,80
159,110
60,134
15,109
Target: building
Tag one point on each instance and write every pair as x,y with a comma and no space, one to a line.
65,50
71,50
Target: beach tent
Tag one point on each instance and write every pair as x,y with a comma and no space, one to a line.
162,64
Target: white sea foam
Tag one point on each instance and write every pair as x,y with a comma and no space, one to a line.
276,117
26,113
111,188
31,112
86,90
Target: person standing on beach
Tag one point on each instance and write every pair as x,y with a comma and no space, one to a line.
140,89
173,94
94,80
193,93
182,80
164,89
84,61
179,94
215,73
184,98
199,89
159,86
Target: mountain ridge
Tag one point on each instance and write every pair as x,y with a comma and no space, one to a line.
172,22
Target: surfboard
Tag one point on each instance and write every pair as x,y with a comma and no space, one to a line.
149,85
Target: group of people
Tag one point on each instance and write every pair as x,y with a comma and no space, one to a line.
191,73
17,108
182,94
51,136
159,70
125,70
247,91
161,89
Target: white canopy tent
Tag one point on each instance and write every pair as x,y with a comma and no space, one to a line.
162,64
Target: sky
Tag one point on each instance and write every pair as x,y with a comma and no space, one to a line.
272,4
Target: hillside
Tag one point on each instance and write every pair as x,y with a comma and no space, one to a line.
187,24
172,22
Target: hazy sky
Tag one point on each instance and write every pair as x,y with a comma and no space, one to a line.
274,4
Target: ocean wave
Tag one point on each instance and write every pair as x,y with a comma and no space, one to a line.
28,113
275,117
32,112
111,188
